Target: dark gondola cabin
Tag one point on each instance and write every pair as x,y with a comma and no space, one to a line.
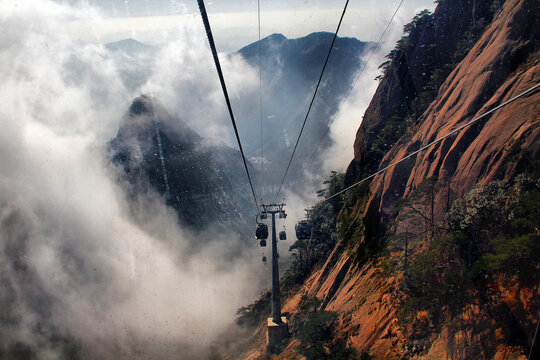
303,230
282,235
262,232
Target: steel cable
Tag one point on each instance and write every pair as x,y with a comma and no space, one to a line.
206,22
436,141
312,99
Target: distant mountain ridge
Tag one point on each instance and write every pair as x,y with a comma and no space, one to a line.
206,182
290,71
131,46
134,59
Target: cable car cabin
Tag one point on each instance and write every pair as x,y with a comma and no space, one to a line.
303,230
262,232
282,235
263,243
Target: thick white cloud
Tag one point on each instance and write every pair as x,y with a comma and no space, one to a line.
79,276
185,80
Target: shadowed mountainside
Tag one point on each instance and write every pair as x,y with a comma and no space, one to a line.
206,182
290,71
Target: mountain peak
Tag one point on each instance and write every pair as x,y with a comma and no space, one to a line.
197,178
275,36
141,106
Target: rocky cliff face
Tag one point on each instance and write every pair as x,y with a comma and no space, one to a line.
415,69
502,64
501,60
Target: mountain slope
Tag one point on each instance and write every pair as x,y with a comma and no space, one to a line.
502,64
290,71
470,301
205,182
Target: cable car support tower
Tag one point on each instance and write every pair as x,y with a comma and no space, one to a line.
277,325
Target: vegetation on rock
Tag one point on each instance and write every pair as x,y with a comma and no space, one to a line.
491,236
316,330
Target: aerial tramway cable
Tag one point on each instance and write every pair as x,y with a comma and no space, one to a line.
354,83
225,93
260,98
312,99
436,141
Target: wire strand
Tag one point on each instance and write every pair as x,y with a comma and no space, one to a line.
260,99
312,99
225,93
354,84
434,142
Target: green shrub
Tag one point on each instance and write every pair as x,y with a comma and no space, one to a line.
493,230
253,314
316,331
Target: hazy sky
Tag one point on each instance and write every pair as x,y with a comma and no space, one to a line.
169,7
234,22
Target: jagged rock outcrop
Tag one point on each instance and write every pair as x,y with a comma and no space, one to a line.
502,64
413,73
202,181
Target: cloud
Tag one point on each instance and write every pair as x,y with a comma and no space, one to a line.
348,119
185,81
79,277
346,122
